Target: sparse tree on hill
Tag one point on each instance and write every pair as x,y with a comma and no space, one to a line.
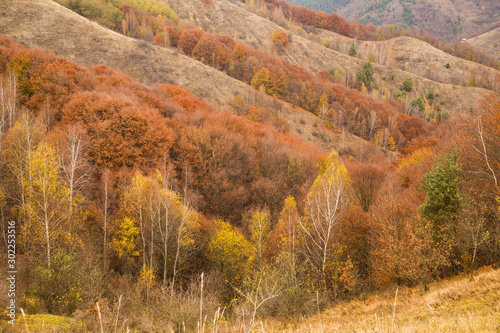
352,50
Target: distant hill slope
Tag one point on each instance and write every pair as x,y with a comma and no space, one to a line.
489,42
420,58
226,18
445,19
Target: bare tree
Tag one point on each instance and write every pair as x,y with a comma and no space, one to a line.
257,295
373,120
105,179
74,167
472,233
8,90
484,152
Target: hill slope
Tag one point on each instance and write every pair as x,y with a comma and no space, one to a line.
444,19
418,57
225,18
457,305
489,42
67,34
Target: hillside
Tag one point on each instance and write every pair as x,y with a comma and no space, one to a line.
150,64
447,20
90,44
420,58
455,305
489,42
225,18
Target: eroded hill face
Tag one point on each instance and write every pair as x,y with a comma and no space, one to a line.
445,19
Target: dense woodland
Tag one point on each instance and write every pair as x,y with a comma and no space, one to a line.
149,208
148,200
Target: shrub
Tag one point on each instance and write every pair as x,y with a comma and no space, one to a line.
58,286
188,40
447,65
419,103
401,94
280,38
352,50
407,85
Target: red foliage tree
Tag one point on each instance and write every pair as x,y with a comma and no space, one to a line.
211,52
188,40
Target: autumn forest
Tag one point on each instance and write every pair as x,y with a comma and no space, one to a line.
145,208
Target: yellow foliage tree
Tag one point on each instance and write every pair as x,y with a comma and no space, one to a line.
229,252
168,227
48,200
391,145
125,240
326,203
259,228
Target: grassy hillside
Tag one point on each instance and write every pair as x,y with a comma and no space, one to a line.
455,305
90,44
489,42
225,18
420,58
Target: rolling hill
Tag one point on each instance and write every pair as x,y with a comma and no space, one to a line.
489,42
225,18
71,36
447,20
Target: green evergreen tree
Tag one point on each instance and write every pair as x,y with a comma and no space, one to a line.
437,249
352,50
366,75
407,85
442,195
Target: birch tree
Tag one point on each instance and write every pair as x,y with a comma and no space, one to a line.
49,199
325,204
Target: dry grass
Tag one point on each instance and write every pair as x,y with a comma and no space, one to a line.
489,42
456,305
